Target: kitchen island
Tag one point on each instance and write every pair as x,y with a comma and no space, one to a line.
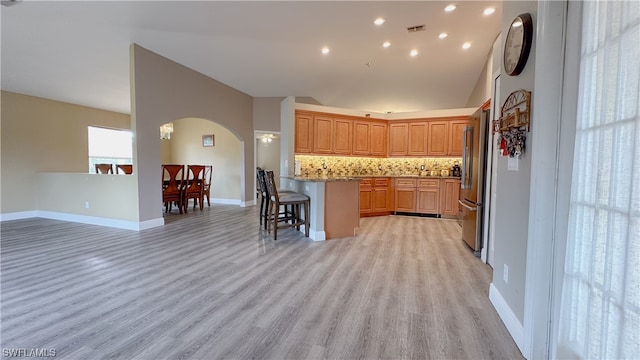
334,204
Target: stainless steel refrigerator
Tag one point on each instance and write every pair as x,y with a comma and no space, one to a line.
472,179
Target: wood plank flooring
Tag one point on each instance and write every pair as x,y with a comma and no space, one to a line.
212,285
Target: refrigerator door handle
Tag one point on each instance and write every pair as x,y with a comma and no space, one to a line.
470,208
466,158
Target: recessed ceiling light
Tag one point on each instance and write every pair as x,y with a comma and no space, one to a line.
450,8
379,21
325,50
413,52
386,44
516,24
489,11
443,35
466,45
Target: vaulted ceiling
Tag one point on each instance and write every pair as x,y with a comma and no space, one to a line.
78,52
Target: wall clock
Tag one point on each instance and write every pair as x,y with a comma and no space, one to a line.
518,44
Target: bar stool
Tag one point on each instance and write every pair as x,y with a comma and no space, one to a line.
285,199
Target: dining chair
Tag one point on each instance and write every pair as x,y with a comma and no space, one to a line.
206,191
293,199
126,169
172,186
104,169
195,186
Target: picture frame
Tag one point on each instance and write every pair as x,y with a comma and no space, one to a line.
208,140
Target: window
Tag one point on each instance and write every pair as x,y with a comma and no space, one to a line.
600,311
111,146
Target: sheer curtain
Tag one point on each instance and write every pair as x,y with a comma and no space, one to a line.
600,311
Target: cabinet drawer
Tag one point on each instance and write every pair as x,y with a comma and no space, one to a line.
381,182
429,183
365,184
406,183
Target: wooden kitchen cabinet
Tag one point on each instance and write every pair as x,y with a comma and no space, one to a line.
398,138
405,195
428,196
445,137
342,136
322,134
437,145
449,194
303,134
361,134
381,195
455,137
417,144
378,139
366,204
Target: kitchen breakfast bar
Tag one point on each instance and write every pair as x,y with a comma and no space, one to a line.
334,204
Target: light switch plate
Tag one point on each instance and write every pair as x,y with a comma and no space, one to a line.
512,163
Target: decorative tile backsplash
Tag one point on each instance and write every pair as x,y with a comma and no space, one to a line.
312,165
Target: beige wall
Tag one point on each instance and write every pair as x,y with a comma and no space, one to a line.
266,113
107,196
225,156
163,91
41,135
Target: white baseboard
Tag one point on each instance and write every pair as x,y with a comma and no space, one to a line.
92,220
18,215
247,203
226,201
315,235
509,319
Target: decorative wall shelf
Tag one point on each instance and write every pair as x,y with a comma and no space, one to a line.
514,123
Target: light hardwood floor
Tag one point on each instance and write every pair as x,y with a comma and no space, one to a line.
212,285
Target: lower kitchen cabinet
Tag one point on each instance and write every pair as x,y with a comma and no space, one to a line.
375,197
405,195
428,193
450,193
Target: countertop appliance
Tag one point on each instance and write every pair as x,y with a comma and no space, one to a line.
472,179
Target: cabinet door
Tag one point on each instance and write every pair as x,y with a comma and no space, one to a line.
322,134
361,144
342,136
438,138
366,204
456,129
428,201
398,139
417,139
450,192
406,199
378,139
381,199
303,134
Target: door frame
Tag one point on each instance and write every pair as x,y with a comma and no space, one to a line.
489,200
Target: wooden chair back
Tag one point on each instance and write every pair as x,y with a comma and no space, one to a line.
195,184
104,169
172,182
271,187
126,169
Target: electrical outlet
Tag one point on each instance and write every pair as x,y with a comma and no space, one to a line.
86,204
505,274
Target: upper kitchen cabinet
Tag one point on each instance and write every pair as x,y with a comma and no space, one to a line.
445,136
455,137
417,139
378,138
303,133
322,134
342,136
361,137
398,138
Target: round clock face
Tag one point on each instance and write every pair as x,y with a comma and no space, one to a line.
517,44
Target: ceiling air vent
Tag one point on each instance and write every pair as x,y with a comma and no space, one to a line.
416,28
9,2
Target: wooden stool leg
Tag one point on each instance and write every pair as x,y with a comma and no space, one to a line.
306,218
276,206
296,216
261,214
